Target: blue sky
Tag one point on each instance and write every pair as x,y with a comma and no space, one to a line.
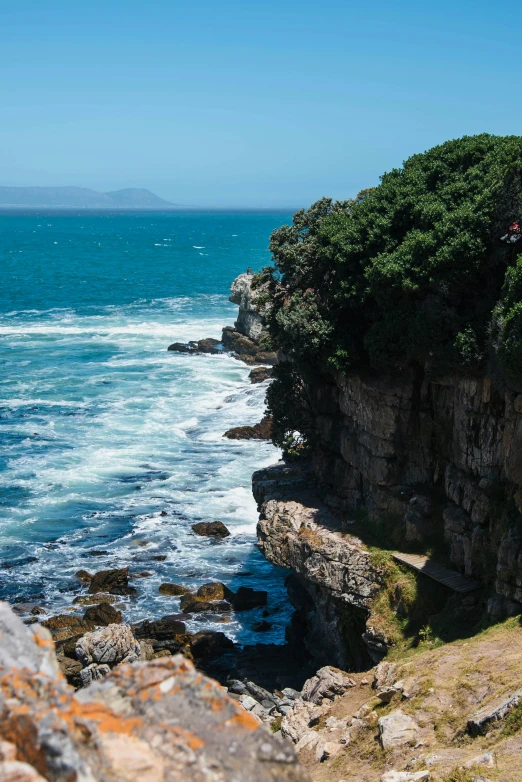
247,103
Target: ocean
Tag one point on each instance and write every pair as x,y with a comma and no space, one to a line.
112,447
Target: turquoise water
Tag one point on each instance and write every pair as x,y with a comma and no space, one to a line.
110,444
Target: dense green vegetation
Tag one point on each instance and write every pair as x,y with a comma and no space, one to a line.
412,272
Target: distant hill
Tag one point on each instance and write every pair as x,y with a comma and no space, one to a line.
136,196
79,197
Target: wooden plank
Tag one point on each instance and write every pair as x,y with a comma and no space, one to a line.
450,578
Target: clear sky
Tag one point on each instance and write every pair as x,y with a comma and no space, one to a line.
231,103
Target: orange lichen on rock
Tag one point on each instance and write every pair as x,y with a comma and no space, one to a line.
145,722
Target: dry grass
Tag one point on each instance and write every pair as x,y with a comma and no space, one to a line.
448,685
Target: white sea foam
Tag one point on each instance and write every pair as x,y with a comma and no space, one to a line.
103,447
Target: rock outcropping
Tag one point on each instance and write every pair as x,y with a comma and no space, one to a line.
333,581
249,321
146,722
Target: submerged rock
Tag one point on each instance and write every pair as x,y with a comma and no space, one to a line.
83,575
211,529
207,345
96,599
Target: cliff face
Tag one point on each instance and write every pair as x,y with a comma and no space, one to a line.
439,463
435,458
249,322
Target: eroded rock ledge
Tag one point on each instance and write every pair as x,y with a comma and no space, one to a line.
333,581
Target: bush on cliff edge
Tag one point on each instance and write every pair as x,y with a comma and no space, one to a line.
412,272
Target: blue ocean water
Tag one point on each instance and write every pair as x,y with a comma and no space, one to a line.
111,447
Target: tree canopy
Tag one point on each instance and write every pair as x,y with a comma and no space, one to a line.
414,271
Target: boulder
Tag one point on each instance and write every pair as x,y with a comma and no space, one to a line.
112,645
480,722
247,598
92,673
211,529
71,670
192,604
181,347
61,621
296,723
161,629
215,591
65,627
209,345
405,776
328,682
397,729
259,374
175,590
260,431
103,614
207,644
116,582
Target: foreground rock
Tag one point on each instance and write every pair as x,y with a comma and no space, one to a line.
148,722
260,431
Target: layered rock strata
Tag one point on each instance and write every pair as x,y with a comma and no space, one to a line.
439,460
334,582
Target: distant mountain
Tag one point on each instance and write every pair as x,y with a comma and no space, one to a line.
79,197
136,196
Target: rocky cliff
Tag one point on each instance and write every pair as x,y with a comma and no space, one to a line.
437,466
436,460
